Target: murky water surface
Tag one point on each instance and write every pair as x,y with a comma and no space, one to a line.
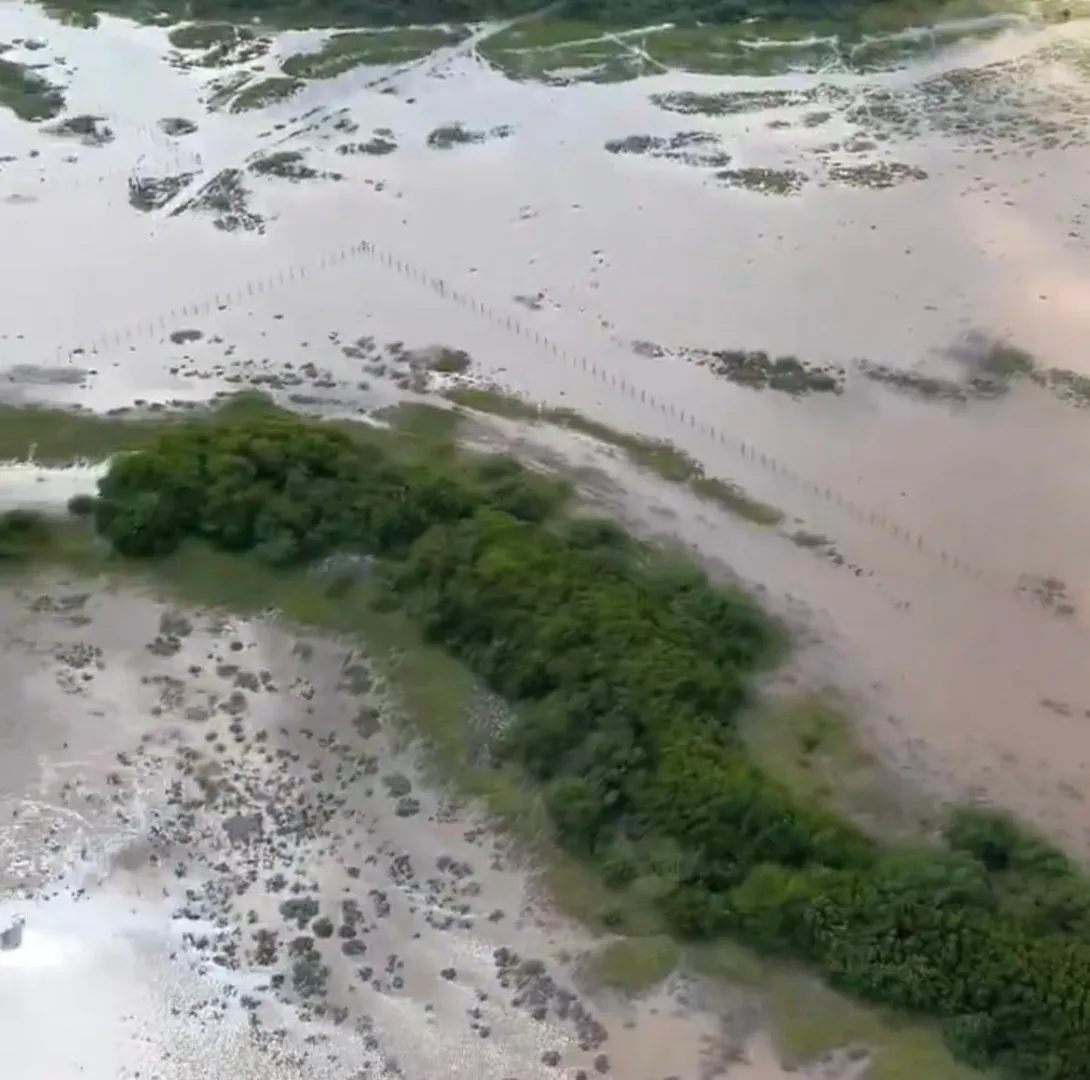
578,242
225,872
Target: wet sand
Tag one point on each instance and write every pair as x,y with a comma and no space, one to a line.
225,872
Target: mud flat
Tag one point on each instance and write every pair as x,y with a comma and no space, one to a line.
211,833
230,864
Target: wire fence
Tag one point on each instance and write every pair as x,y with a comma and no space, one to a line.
745,449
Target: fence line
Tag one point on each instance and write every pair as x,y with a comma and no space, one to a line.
745,449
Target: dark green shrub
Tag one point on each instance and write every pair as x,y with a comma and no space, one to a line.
22,532
82,505
629,672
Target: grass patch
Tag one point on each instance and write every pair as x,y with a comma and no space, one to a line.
656,455
804,538
58,437
809,1020
1003,360
1069,386
809,743
207,35
263,92
431,423
344,51
562,52
632,965
31,96
448,136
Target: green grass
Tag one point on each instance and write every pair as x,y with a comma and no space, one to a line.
809,743
431,423
809,1020
56,438
558,50
267,91
361,48
30,96
655,455
1007,361
804,538
632,965
206,35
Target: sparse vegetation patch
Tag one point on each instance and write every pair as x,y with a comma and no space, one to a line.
658,456
28,94
344,51
263,92
451,135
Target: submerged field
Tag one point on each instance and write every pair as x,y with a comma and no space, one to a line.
797,301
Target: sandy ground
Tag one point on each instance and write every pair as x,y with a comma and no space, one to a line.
227,870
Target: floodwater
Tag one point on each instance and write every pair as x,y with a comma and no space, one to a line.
224,873
953,615
620,248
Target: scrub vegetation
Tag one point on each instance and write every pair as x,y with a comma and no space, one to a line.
29,95
630,679
656,455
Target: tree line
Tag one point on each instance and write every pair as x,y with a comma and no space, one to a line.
628,671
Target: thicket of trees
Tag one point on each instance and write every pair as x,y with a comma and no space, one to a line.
629,672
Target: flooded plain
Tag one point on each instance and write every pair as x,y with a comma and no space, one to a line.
189,819
226,872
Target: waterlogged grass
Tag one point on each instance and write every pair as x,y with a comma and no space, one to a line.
57,437
449,136
632,965
809,743
342,52
657,456
206,35
28,94
263,92
860,37
561,53
808,1020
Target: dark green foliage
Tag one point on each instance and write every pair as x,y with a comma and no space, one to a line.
628,671
81,505
22,532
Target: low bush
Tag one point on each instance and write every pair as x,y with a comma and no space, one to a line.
22,533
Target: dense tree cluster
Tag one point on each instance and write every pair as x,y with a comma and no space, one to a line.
629,672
